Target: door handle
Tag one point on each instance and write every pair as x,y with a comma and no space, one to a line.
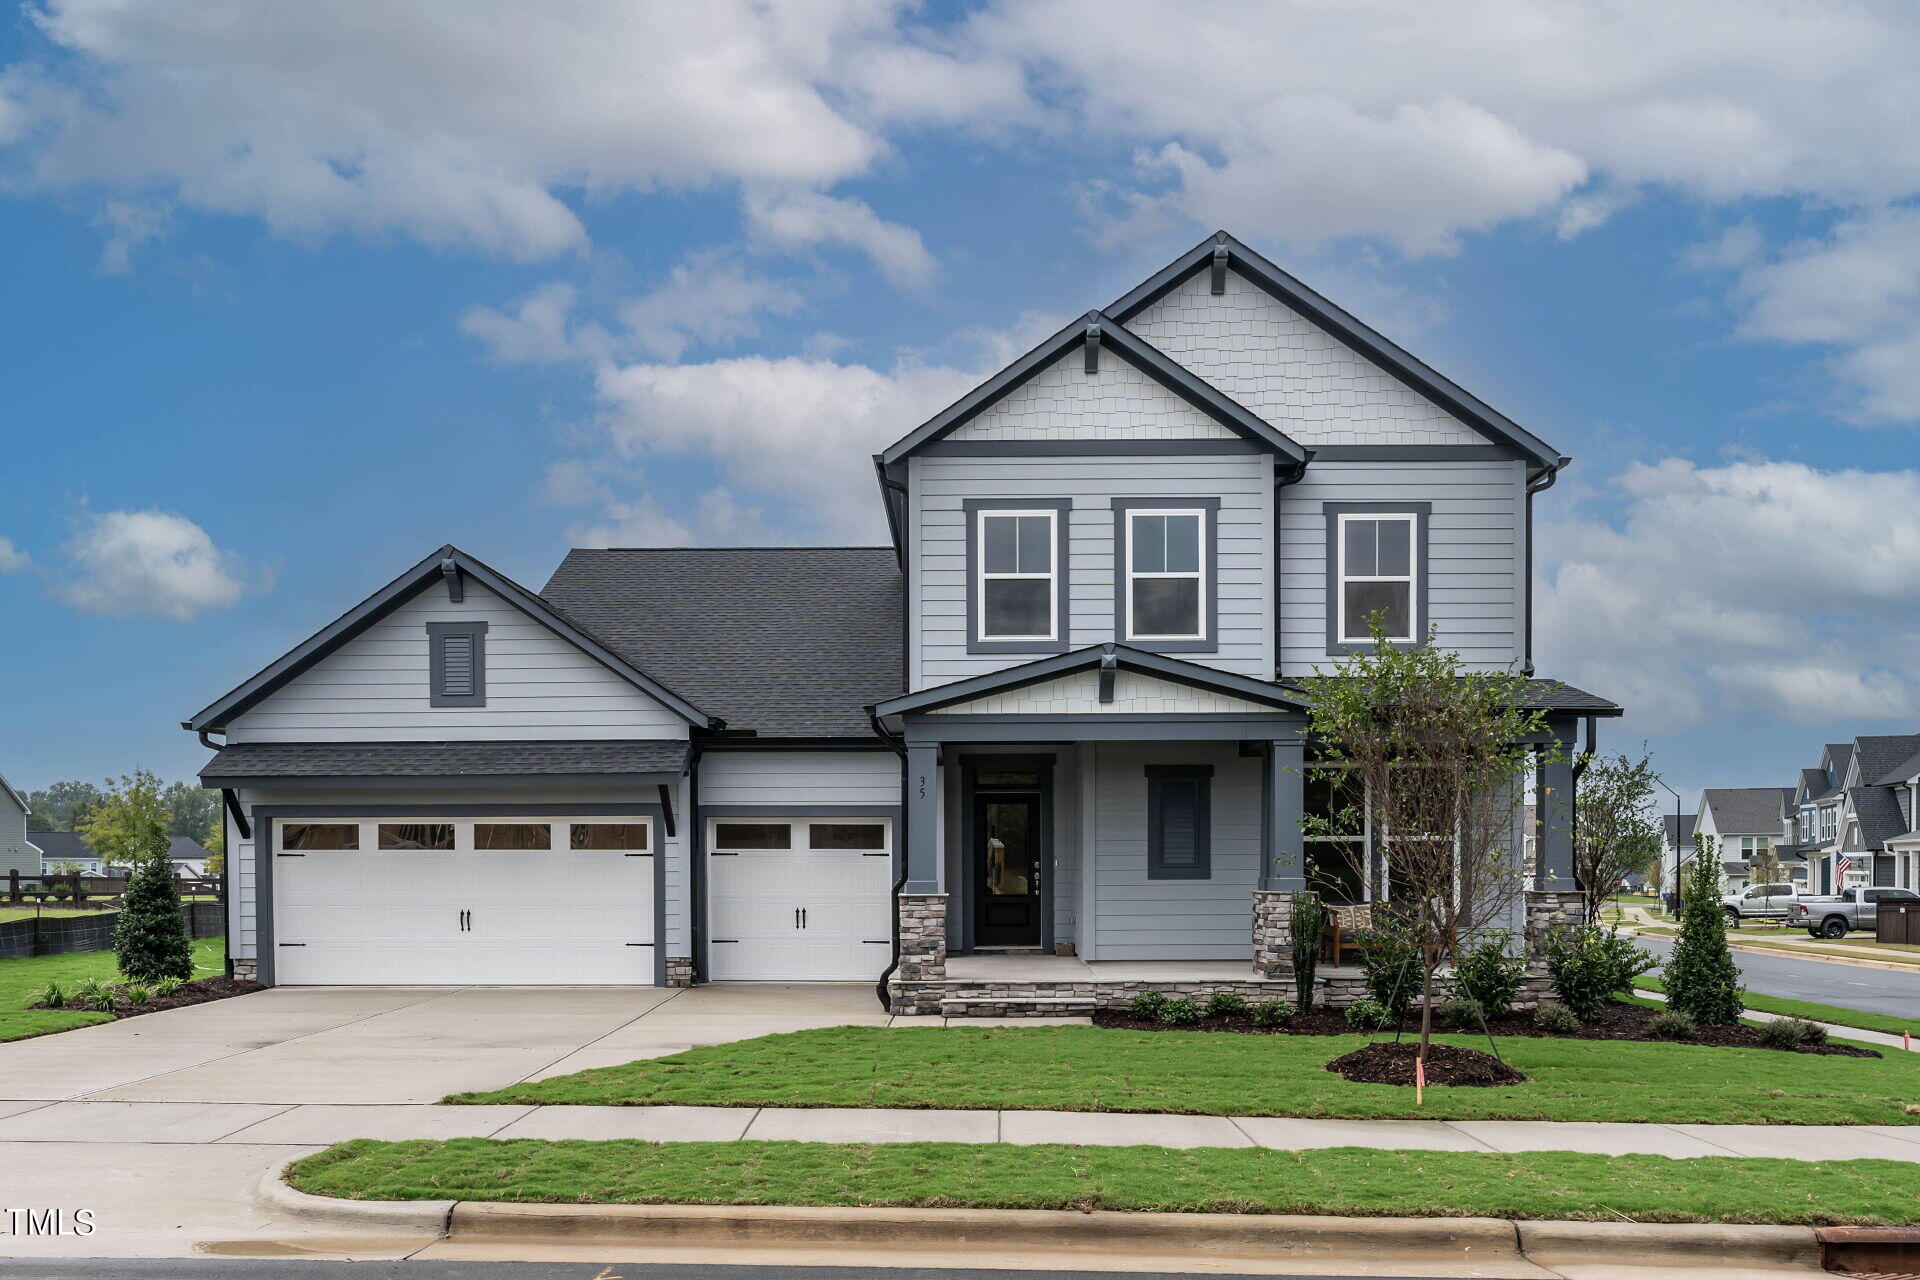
803,917
796,917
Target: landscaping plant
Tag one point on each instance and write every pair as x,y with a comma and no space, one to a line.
1272,1013
1226,1004
1556,1020
1701,978
1670,1024
1390,960
150,938
1589,964
1368,1015
1791,1033
92,993
1490,972
1462,1011
1308,921
51,997
1429,744
1181,1013
1615,829
1147,1004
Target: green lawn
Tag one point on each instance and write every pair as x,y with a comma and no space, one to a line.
1202,1073
27,912
22,980
1807,1009
1347,1181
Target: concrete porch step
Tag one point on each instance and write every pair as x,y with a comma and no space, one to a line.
1016,1007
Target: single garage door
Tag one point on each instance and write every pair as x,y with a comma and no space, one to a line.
799,899
504,901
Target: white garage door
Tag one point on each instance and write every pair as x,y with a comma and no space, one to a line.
502,901
795,899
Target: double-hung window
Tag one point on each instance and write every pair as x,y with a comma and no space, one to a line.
1374,573
1166,595
1018,593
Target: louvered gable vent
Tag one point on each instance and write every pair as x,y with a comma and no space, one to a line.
458,663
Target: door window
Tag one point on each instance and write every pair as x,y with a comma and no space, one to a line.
1008,848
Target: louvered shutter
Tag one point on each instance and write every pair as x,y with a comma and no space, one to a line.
456,666
1180,823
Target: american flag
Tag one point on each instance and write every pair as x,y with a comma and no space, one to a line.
1840,867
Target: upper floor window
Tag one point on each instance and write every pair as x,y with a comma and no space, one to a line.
1166,592
1828,819
1017,587
457,664
1374,571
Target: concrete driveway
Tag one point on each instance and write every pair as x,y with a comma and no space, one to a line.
362,1045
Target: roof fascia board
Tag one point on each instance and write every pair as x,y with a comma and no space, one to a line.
396,593
1344,326
1136,351
1187,673
451,781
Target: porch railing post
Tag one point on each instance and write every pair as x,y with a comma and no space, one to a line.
923,819
1283,869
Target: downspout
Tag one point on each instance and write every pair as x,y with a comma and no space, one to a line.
697,869
1281,481
229,806
1539,484
900,849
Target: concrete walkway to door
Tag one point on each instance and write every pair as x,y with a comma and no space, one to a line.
362,1045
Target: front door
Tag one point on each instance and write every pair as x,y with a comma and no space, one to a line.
1007,842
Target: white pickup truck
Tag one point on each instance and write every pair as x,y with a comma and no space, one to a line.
1760,902
1831,917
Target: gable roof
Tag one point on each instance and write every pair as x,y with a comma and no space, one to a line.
1840,754
787,642
1879,815
1367,341
1130,347
1124,656
442,564
1813,784
1685,824
69,846
17,797
1881,754
1747,811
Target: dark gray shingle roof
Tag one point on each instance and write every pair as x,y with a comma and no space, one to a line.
1747,811
1685,822
1539,695
1907,768
1841,753
68,846
791,642
1881,754
1879,815
441,759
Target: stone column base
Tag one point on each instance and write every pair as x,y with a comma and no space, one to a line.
246,970
919,976
1273,933
1550,909
679,971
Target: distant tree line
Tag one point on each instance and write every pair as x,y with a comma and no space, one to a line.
192,811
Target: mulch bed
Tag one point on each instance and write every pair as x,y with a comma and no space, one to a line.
1616,1021
200,991
1388,1063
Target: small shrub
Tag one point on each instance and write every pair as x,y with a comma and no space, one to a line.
1791,1033
1556,1020
1490,973
1390,958
1147,1004
167,988
1369,1015
1272,1013
136,993
1670,1024
1308,922
1588,964
1181,1013
60,890
51,996
1461,1011
1701,978
1226,1004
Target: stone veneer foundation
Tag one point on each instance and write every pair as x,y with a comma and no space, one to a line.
247,970
679,971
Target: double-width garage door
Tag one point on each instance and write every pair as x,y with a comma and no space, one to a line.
506,901
793,899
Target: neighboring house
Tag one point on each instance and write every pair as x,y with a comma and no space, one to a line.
1057,718
1857,816
16,853
1677,844
58,848
1745,822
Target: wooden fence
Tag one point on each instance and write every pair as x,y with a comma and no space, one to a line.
79,889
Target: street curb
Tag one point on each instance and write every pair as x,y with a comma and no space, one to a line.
1799,953
1066,1230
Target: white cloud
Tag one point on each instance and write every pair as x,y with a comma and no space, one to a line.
536,331
1756,587
717,519
153,564
127,225
12,558
802,219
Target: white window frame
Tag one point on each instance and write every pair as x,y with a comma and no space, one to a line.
1199,574
800,839
560,839
982,576
1411,577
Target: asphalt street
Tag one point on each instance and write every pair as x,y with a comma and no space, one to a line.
429,1269
1889,991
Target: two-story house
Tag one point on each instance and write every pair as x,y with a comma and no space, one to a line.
16,854
1745,824
1049,744
1857,816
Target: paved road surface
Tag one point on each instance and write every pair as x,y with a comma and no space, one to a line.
433,1269
1889,991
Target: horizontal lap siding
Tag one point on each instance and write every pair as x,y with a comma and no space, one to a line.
374,688
1142,919
1475,562
800,778
1242,482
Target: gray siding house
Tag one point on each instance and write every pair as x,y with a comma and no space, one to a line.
1856,817
16,853
1045,747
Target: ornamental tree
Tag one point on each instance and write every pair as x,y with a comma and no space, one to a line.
1701,978
1615,828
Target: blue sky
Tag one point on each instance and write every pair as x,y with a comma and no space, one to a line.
297,294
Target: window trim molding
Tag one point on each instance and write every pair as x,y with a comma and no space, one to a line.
1123,509
437,633
1062,511
1422,515
1158,774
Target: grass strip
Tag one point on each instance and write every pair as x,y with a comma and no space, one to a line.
1216,1073
1344,1181
1808,1009
21,981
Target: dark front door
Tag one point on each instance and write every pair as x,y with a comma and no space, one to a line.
1006,876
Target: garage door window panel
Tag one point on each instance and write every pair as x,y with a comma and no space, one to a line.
609,837
839,836
751,836
320,837
416,836
512,837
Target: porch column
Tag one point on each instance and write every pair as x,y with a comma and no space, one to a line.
1555,807
1283,868
924,871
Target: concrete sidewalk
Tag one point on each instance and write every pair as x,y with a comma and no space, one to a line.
24,1124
